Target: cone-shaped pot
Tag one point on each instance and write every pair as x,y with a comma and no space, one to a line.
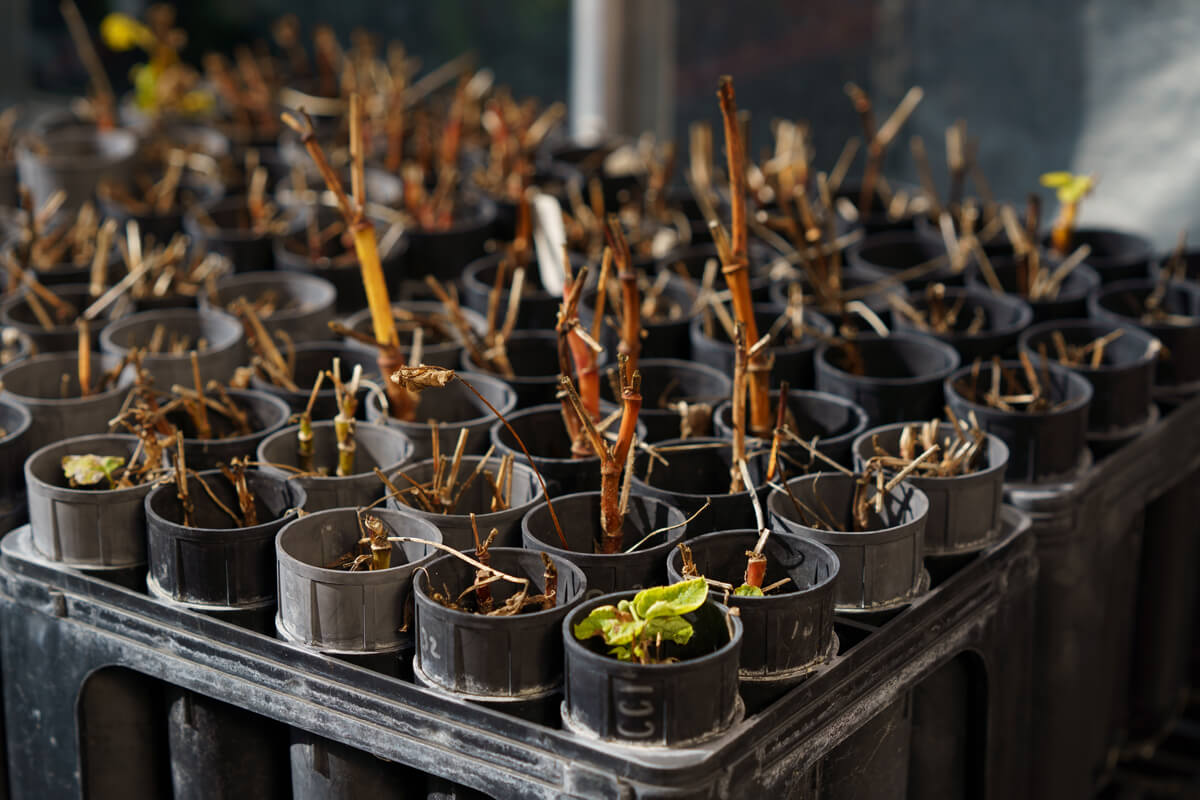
698,471
1178,371
224,351
454,407
264,414
376,446
313,358
640,558
440,342
902,375
1041,446
444,253
1116,255
1069,303
534,359
793,359
905,256
303,304
1003,319
85,527
539,308
881,568
216,562
37,384
1123,381
666,705
833,421
62,336
334,610
667,381
964,510
513,659
475,499
234,236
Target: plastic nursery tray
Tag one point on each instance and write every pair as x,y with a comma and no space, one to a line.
79,624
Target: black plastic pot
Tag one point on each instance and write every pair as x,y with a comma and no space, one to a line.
853,280
443,254
36,384
1042,447
313,358
882,568
1116,255
964,510
16,313
85,527
456,528
787,633
693,259
897,253
534,359
903,375
588,159
211,565
225,350
76,160
833,421
1123,383
1178,370
454,407
539,308
515,661
438,350
194,190
264,413
247,249
580,516
1069,303
15,422
694,476
875,219
665,705
793,362
304,303
664,336
339,265
340,612
550,178
1005,316
377,446
669,380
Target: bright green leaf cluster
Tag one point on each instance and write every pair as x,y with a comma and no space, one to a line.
89,470
630,628
747,590
1070,188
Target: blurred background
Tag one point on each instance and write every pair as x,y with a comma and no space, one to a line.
1099,86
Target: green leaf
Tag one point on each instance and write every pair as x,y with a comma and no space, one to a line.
615,626
746,590
622,653
665,601
673,629
1057,179
591,624
89,470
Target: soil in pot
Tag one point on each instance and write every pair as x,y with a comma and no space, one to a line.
788,631
232,228
880,548
59,410
230,437
62,335
376,447
512,661
454,408
825,420
964,481
650,529
498,491
74,160
1115,255
441,342
976,322
89,524
904,256
333,258
698,472
1068,302
1170,311
221,554
1042,417
791,345
893,378
299,306
308,361
169,336
1118,360
678,397
683,702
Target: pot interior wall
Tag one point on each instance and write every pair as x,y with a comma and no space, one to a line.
325,539
478,495
832,497
456,575
893,359
271,500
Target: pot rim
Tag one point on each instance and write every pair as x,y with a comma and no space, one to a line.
476,379
325,300
68,493
1023,311
1050,326
745,493
561,606
851,537
674,535
315,572
481,519
166,316
324,480
750,533
919,339
855,410
121,386
1073,379
278,404
997,455
177,530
